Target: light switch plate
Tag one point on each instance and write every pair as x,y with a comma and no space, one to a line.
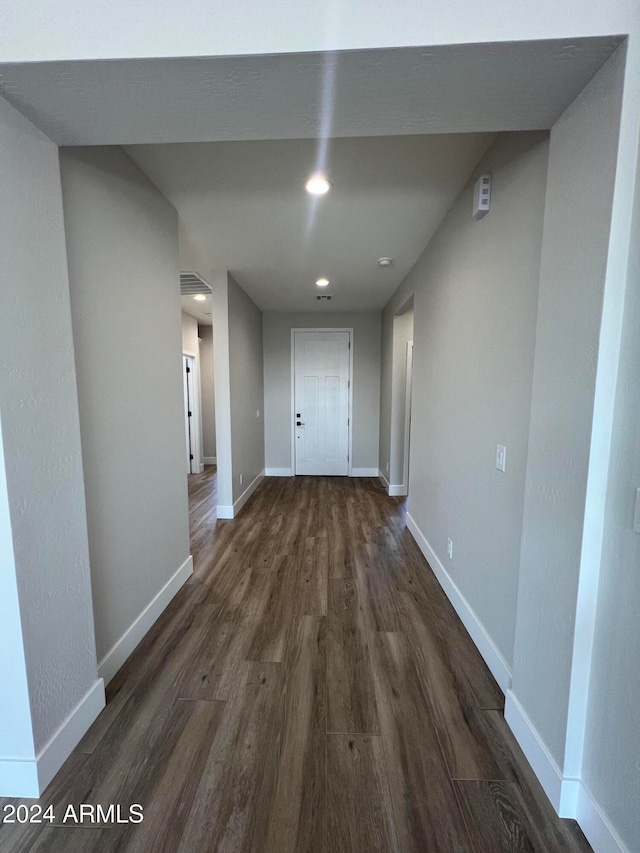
636,518
501,457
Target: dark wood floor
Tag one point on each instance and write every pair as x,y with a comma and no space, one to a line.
309,689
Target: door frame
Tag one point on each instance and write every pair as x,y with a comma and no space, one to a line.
198,465
293,392
408,391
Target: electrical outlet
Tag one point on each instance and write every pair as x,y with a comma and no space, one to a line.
450,549
501,457
257,413
387,466
636,520
241,478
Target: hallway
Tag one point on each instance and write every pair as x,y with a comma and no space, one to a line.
310,688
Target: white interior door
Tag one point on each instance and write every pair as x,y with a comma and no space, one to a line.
321,402
188,372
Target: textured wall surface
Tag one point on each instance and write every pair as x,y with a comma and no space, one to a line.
190,334
582,162
41,433
122,243
366,382
208,393
402,334
220,301
246,380
475,294
16,734
611,767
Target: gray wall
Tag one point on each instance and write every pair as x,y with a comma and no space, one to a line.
122,242
366,383
402,334
46,625
220,302
475,294
190,335
246,382
208,392
582,164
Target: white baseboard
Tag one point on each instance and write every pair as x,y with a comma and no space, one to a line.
60,746
118,654
209,460
364,472
596,825
485,645
232,511
29,777
278,472
537,754
397,491
244,497
383,480
569,797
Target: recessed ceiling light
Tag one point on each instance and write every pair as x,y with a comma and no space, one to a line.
384,262
200,297
322,282
317,185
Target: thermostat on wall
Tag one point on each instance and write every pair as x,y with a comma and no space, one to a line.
482,196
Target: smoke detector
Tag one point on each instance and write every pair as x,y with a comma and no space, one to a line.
384,262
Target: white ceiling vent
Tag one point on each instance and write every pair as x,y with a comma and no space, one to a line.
192,283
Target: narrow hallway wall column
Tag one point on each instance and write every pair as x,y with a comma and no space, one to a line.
50,691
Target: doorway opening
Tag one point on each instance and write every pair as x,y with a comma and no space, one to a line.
191,412
321,401
401,389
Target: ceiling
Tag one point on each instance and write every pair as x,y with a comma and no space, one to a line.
442,89
202,311
243,207
230,141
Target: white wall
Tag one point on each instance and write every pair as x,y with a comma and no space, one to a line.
582,164
611,770
246,374
475,294
122,243
16,728
277,383
208,393
47,631
79,31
